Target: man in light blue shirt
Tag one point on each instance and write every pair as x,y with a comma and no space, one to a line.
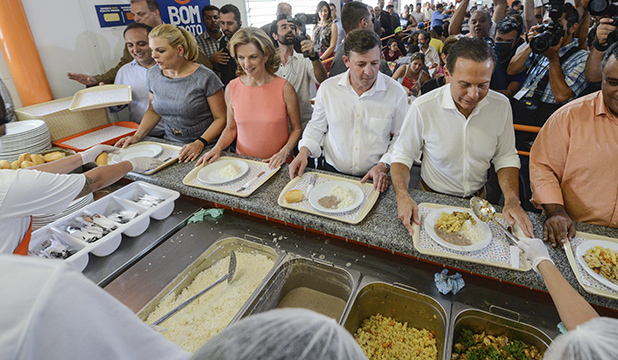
437,18
134,73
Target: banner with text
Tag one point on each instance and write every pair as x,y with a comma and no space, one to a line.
184,13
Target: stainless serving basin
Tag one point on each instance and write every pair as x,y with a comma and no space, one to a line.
299,272
219,250
466,317
403,305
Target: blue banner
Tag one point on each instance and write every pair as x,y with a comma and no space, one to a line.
184,13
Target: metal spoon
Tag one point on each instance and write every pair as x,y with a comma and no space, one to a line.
486,212
228,276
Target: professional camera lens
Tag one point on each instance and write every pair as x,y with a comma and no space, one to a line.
598,7
541,42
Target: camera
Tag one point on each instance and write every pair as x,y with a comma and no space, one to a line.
551,33
301,34
605,8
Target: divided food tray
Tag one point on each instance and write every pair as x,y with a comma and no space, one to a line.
122,199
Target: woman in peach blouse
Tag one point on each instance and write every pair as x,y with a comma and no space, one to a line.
260,105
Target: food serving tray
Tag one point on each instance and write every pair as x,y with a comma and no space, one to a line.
585,280
121,199
499,252
101,96
169,155
107,134
232,187
351,217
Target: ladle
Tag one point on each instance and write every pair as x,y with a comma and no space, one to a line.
228,276
486,212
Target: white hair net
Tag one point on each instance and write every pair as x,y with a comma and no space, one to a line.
593,340
282,334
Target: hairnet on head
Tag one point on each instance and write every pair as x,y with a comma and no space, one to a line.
593,340
282,334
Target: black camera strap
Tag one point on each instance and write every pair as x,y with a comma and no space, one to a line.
540,89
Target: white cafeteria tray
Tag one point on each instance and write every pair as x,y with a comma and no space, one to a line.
124,199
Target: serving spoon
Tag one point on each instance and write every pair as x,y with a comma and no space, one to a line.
229,276
486,213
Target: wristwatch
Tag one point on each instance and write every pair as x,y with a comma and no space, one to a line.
387,166
600,47
314,57
203,141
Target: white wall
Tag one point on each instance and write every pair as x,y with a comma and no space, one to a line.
69,39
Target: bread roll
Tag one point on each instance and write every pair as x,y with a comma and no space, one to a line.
4,164
24,157
26,164
293,196
37,159
101,159
15,164
53,156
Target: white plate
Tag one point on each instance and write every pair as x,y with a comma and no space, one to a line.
432,218
18,127
589,244
324,189
137,150
210,173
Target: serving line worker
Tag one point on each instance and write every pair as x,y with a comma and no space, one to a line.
186,96
48,189
589,336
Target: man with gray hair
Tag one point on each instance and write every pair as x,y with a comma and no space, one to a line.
357,116
282,8
459,132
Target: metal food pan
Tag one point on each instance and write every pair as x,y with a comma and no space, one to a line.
219,250
403,305
298,272
478,321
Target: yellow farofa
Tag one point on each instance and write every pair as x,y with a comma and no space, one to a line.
383,338
603,261
454,222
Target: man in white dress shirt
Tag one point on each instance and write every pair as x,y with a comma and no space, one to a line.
460,128
357,116
134,73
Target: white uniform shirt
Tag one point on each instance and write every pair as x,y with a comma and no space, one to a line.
298,71
134,74
456,150
29,192
50,311
356,130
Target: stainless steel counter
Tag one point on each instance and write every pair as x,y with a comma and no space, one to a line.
142,282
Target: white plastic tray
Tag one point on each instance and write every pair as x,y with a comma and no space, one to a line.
124,199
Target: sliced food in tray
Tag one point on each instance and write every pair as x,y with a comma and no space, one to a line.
600,259
98,227
457,229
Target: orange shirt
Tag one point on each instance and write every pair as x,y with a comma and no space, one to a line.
261,117
574,161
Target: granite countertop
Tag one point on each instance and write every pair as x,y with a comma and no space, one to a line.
381,227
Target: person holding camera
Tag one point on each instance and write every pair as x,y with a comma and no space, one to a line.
299,67
606,35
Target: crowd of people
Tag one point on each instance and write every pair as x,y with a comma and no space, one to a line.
441,82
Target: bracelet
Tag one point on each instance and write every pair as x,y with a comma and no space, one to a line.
203,141
600,47
314,57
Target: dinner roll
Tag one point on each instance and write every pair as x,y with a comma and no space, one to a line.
101,159
37,159
4,164
26,164
24,157
15,164
53,156
293,196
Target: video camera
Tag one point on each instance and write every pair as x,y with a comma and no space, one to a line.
605,8
551,33
300,20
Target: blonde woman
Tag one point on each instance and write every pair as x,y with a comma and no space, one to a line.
261,107
186,96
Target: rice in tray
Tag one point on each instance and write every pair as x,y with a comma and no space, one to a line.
209,314
603,261
381,337
344,195
458,228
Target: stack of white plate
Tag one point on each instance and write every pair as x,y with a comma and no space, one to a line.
42,220
28,136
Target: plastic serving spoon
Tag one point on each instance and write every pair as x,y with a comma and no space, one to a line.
229,276
486,212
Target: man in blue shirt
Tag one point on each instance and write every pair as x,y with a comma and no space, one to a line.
437,18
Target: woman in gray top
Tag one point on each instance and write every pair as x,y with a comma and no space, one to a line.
187,97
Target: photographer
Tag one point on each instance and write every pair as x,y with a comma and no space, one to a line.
599,46
555,76
297,69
